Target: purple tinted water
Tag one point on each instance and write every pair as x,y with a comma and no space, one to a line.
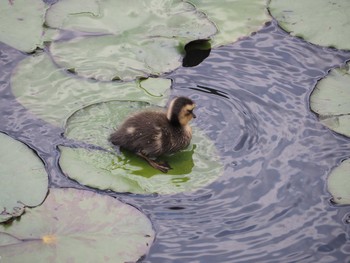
271,204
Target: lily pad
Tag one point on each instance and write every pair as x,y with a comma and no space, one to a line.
306,19
234,18
339,183
193,168
331,100
24,181
112,58
53,94
139,39
77,226
21,24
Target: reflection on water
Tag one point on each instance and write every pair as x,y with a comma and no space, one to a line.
271,204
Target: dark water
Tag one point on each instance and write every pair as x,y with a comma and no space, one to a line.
271,204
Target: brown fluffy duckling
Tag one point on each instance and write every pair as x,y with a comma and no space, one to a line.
151,134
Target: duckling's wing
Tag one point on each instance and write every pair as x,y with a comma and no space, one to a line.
143,132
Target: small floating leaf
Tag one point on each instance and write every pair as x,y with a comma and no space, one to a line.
233,18
193,168
24,181
339,183
53,94
155,86
21,24
125,42
77,226
306,19
331,100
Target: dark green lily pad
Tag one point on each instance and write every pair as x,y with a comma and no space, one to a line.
331,100
322,22
139,39
21,24
53,94
193,168
234,18
77,226
339,183
24,181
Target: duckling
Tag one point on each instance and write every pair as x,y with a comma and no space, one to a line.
151,134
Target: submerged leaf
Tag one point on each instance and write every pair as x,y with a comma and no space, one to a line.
77,226
125,42
331,100
21,24
339,183
193,168
24,181
233,18
53,94
306,19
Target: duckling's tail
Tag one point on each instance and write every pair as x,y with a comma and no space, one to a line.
115,138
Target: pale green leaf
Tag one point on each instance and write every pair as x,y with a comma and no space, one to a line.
23,178
77,226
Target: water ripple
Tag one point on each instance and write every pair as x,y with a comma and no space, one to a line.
271,204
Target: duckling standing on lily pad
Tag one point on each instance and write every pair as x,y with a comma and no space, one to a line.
151,134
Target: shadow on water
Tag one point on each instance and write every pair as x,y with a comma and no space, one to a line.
271,204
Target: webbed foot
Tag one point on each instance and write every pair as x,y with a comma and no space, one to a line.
164,167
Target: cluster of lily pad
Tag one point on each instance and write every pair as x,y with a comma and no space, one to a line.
67,218
101,61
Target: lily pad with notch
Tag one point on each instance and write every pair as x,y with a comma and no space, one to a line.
339,183
124,42
54,94
331,100
77,226
233,18
193,168
21,24
24,181
306,19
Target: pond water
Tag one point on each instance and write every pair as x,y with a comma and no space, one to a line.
271,204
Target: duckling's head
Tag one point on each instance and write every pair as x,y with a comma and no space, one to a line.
180,111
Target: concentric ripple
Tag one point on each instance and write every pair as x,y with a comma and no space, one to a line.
271,204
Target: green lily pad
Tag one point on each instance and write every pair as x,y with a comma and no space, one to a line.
24,181
307,19
21,24
139,39
193,168
53,94
112,58
77,226
234,18
331,100
339,183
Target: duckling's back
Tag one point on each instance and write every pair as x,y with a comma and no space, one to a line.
150,133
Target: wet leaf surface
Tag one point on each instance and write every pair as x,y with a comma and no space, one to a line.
23,178
339,183
306,19
234,18
53,94
139,39
21,27
77,226
331,100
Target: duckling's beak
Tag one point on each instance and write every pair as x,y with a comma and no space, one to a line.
194,115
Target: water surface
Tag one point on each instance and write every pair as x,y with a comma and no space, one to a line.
271,204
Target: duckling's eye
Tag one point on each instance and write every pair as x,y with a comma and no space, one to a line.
189,112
